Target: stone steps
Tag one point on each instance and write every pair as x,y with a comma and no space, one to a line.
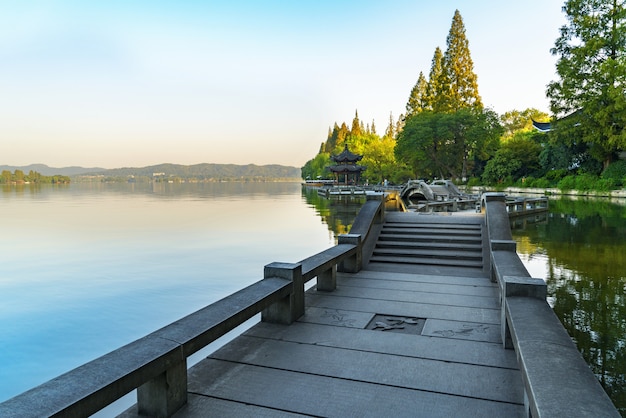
421,242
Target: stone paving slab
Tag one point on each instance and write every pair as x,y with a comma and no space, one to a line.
417,310
490,291
462,330
504,385
324,396
417,297
394,277
444,349
337,317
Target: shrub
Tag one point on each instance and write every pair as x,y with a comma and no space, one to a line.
526,181
567,183
615,172
586,181
605,185
542,183
556,175
473,182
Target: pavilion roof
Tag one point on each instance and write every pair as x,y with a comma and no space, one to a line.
346,156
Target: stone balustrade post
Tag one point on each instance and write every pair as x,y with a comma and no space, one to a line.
518,286
354,263
291,307
327,280
166,393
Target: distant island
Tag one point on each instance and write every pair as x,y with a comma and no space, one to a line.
167,173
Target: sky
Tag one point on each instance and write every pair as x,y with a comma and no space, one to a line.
122,83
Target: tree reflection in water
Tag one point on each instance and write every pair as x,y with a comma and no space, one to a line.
337,213
583,246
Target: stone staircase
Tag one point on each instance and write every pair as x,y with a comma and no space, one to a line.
431,241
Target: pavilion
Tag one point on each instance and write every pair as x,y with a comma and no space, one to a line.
346,170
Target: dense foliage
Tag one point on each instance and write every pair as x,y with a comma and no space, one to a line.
589,96
447,133
377,151
33,177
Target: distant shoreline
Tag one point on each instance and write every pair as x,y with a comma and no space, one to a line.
197,171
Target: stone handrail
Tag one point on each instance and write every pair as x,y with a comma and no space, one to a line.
557,381
156,365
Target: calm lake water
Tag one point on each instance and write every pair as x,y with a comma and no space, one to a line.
580,250
87,268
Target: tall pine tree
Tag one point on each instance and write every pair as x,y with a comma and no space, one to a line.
591,66
357,126
458,78
436,82
418,97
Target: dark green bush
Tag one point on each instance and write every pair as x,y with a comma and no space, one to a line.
556,175
586,181
615,172
605,185
567,183
542,183
473,182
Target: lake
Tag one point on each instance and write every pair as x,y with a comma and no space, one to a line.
87,268
580,250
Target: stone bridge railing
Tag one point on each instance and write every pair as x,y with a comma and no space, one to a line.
557,381
156,365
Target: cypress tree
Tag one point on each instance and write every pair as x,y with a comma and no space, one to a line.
458,77
418,99
356,125
436,82
390,132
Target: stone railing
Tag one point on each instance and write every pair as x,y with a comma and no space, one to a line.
557,381
156,365
525,206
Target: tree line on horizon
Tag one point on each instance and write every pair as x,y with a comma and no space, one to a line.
446,132
33,177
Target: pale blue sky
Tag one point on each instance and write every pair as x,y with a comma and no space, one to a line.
123,83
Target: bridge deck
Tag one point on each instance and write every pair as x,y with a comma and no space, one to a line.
396,339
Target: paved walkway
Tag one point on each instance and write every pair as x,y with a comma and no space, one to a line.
418,339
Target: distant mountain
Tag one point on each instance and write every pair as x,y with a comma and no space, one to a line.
200,171
51,171
208,171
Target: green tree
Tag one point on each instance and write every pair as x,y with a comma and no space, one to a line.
357,125
391,127
458,78
591,66
336,138
447,145
435,89
517,157
5,177
418,145
317,167
18,176
418,98
515,120
379,159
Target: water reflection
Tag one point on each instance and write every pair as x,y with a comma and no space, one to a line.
87,268
583,252
338,212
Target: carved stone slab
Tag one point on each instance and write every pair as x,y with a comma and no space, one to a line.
394,323
462,330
